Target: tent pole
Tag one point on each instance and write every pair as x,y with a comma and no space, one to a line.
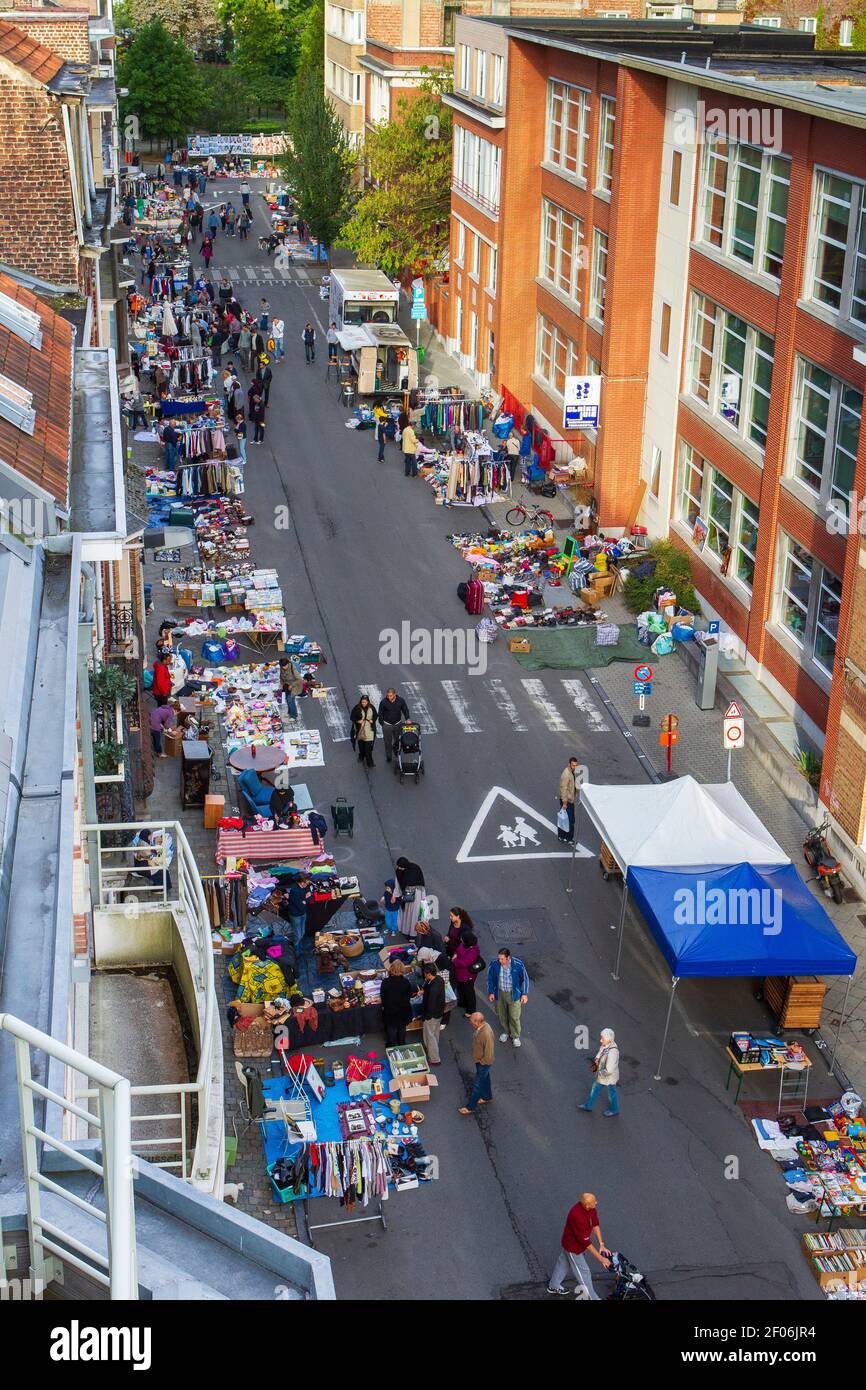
577,809
841,1021
621,928
674,983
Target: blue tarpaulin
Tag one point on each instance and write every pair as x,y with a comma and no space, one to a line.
738,920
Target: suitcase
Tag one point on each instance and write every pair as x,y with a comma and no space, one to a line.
461,592
475,598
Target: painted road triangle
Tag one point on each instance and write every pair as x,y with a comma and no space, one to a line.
507,828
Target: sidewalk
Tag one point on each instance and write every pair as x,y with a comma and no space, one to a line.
700,753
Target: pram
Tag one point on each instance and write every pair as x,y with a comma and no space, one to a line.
409,761
629,1283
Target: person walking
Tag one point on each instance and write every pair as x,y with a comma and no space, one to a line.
508,989
410,878
162,717
241,433
581,1225
381,436
363,733
170,439
278,333
308,338
409,446
245,346
298,899
256,413
265,376
213,222
333,342
245,193
483,1052
392,711
264,315
567,795
396,996
291,684
432,1012
465,964
244,223
605,1065
206,251
223,215
231,218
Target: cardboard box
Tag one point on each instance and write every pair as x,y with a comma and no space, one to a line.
250,1010
603,583
172,740
519,644
214,810
414,1088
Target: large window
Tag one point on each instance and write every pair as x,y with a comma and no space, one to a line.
730,368
561,242
606,136
480,73
729,519
491,271
555,354
599,275
343,83
498,93
809,603
476,168
346,24
464,68
837,261
567,139
743,203
826,433
380,103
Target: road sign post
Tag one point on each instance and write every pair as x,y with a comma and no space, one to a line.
669,736
734,727
643,687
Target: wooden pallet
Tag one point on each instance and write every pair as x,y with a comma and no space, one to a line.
796,1001
609,866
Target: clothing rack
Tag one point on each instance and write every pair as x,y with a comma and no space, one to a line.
226,903
444,416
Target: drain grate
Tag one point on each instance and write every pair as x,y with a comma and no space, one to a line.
516,926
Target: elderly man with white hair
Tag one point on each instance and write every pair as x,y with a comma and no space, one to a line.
606,1068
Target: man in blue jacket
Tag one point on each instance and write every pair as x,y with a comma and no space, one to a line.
508,989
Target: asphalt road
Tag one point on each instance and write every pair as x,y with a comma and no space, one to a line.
682,1188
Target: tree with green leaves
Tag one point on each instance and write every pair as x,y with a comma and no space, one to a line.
401,222
164,91
194,22
320,163
264,35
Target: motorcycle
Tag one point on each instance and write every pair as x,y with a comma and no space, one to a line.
819,857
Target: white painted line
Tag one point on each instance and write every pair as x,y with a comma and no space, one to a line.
336,717
503,701
460,708
373,693
250,272
516,832
267,275
545,706
587,706
418,707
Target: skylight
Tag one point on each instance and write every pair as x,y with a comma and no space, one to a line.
20,321
16,405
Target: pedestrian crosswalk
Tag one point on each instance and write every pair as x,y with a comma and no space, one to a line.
475,706
263,275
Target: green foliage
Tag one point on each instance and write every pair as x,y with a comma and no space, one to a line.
161,76
320,165
108,684
195,23
810,765
236,102
264,37
673,570
401,222
106,756
311,47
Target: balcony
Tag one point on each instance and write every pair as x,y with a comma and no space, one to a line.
465,191
121,632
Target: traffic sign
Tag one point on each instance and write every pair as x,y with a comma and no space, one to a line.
643,687
735,733
643,673
733,711
670,723
714,627
669,738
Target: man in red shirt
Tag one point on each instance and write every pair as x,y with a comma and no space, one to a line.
581,1225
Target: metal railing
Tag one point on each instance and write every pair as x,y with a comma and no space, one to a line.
121,624
154,888
115,1269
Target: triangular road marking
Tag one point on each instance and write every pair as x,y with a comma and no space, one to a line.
521,841
733,711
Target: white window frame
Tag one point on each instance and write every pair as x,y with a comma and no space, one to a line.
564,100
465,67
476,168
475,270
555,353
807,24
479,89
849,307
727,160
598,292
841,405
846,33
698,484
492,258
473,338
713,388
768,21
654,480
498,84
458,326
821,579
460,253
606,144
555,221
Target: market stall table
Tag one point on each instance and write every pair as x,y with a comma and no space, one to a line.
744,1069
262,757
267,846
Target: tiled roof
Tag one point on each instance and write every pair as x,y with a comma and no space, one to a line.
27,53
46,372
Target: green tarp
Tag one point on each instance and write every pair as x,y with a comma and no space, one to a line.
574,648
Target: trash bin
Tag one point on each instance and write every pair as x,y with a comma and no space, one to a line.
708,670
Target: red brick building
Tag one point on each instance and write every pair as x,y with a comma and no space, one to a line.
682,220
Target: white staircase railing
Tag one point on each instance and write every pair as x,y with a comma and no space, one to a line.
115,1267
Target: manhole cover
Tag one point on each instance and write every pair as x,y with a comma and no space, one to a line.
516,926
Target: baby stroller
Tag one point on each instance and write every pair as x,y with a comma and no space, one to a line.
629,1283
409,761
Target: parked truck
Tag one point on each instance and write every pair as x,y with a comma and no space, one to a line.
362,296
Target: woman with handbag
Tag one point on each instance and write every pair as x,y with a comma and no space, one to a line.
396,996
466,966
410,879
605,1066
363,732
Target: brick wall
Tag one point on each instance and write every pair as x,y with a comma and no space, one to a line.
432,24
37,221
68,38
385,23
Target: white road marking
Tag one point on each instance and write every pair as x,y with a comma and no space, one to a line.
460,708
250,272
267,275
373,693
503,701
283,272
587,706
516,837
545,706
336,717
418,707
